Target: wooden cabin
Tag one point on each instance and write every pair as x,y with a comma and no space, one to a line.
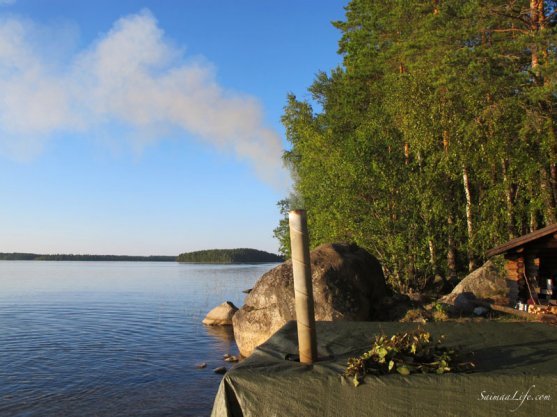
531,260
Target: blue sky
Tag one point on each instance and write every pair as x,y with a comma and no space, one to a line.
150,127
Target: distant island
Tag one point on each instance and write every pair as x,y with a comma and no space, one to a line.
229,256
211,256
59,257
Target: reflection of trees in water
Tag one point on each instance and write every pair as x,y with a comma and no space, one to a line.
223,336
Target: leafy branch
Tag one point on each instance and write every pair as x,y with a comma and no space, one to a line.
405,353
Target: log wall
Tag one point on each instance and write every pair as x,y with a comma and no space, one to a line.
515,268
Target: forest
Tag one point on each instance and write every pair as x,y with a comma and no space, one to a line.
435,139
228,256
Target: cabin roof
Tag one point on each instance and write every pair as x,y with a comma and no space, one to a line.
522,240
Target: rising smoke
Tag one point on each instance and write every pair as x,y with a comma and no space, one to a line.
133,77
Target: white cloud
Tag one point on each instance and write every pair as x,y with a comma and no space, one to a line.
131,76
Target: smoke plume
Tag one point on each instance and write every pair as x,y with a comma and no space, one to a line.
131,77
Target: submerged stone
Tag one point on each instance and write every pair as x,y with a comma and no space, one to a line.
220,370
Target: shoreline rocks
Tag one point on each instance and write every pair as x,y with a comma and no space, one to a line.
487,283
221,315
348,284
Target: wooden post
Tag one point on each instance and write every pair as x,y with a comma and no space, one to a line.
303,289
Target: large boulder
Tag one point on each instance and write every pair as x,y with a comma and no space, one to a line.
487,283
221,315
348,284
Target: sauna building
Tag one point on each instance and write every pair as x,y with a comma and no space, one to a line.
531,262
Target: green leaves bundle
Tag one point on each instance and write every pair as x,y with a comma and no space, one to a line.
405,353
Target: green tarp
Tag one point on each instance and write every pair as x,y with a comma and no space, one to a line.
516,375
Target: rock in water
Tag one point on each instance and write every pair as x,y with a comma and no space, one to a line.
348,284
221,315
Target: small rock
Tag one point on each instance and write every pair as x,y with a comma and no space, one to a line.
221,315
220,370
231,358
226,355
247,291
201,365
480,311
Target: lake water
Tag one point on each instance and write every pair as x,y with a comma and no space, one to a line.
113,338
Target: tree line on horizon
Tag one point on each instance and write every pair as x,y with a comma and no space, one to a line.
435,140
18,256
227,256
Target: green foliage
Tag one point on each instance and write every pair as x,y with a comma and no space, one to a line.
435,140
439,308
282,232
227,256
404,353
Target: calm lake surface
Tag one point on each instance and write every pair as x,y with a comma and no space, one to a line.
113,338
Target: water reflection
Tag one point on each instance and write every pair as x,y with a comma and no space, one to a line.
113,339
222,335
